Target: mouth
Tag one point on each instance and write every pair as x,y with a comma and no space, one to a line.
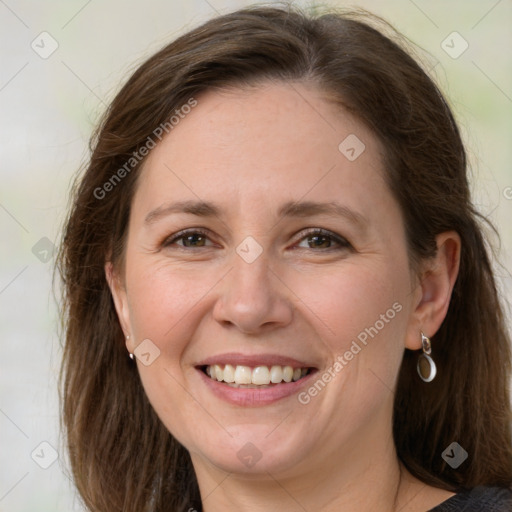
251,381
241,376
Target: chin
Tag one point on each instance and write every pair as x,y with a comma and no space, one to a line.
252,451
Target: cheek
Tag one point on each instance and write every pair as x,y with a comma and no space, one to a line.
166,306
164,302
361,318
352,300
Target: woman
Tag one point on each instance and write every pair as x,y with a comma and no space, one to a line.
278,295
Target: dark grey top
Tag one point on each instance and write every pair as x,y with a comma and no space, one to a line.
479,499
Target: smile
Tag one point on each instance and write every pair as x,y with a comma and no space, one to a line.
251,380
254,377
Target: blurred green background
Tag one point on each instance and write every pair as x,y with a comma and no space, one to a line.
49,107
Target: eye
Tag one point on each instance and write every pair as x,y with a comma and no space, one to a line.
323,239
190,239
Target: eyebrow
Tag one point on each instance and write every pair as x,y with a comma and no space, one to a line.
311,208
199,208
289,209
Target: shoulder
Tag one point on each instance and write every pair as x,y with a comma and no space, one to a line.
490,499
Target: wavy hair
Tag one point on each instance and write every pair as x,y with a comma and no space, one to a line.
122,457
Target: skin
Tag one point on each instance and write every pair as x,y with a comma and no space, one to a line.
249,152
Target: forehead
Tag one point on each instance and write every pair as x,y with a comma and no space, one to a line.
263,145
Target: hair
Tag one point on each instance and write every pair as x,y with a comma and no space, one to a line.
122,457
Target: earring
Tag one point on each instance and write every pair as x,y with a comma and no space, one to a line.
426,367
131,355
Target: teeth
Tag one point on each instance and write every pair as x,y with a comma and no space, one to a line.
219,372
276,374
258,376
261,375
287,373
229,373
243,375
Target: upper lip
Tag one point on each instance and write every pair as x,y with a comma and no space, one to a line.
236,359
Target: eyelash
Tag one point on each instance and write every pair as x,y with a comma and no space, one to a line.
342,242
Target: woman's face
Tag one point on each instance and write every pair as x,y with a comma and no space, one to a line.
293,265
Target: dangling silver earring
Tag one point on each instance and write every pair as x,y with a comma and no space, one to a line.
131,355
426,367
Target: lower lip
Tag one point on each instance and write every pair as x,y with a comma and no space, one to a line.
254,397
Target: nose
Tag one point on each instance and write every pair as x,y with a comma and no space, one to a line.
253,298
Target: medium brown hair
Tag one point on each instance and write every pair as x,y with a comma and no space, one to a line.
122,457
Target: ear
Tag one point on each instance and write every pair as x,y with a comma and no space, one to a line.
118,291
435,288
